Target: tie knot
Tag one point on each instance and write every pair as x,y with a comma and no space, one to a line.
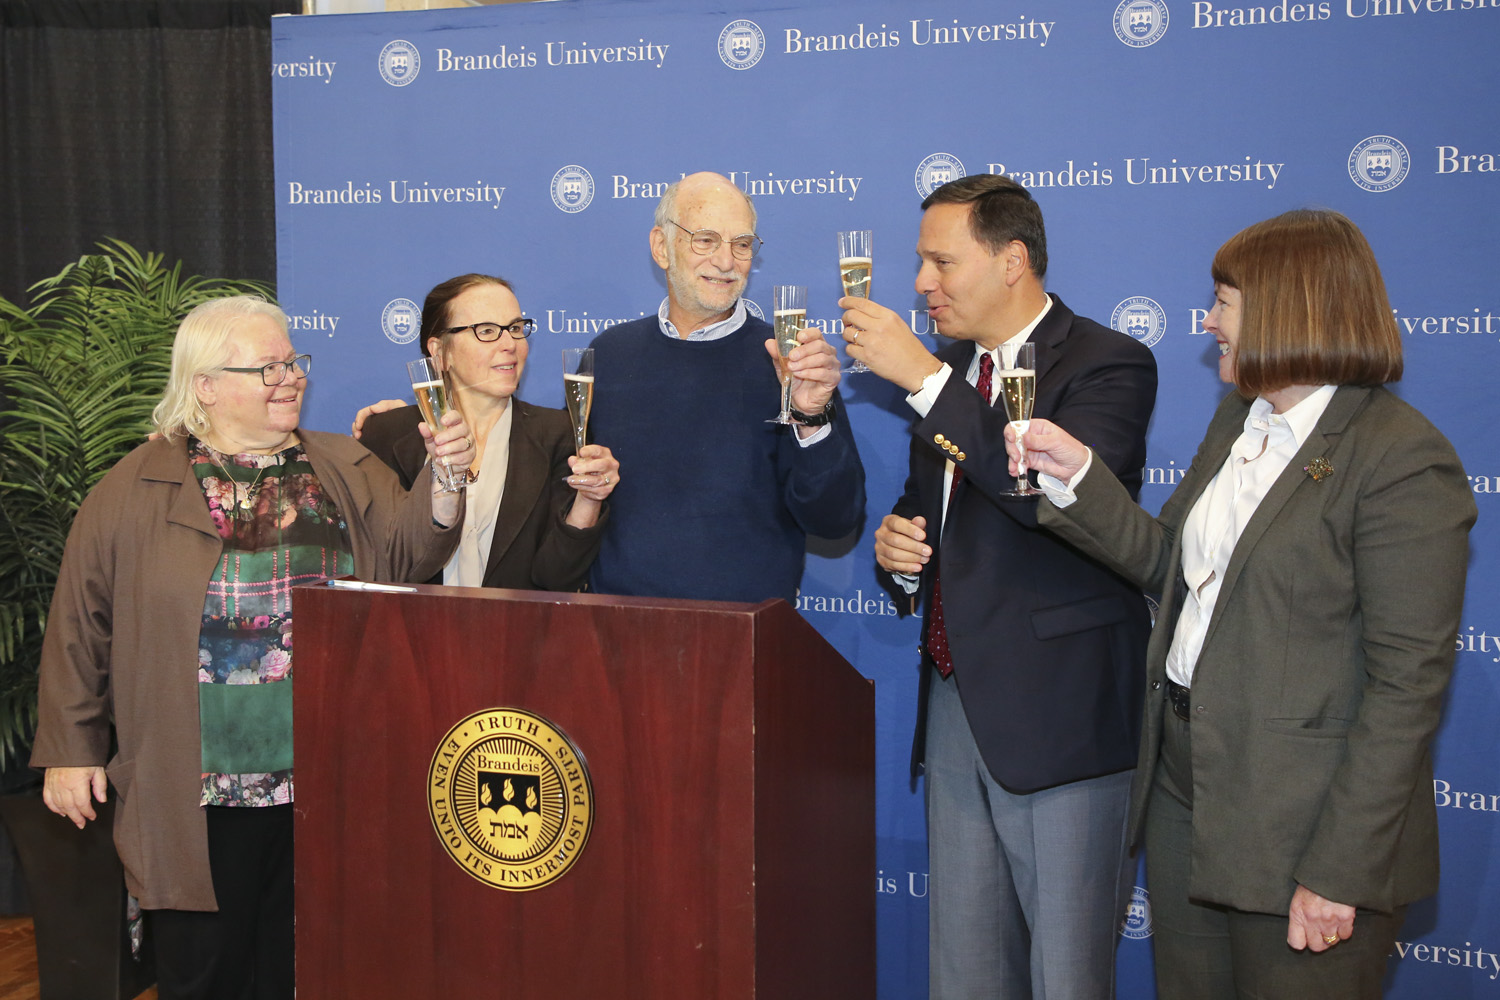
986,364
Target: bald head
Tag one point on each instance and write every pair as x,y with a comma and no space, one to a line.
701,288
704,183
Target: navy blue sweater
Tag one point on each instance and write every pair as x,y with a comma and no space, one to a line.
713,503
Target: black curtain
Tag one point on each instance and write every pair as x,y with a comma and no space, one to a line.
144,120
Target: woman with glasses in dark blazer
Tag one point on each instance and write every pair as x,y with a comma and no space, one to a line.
535,511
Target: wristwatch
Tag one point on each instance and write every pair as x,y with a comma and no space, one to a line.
825,416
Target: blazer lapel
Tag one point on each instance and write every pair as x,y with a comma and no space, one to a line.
1223,431
167,463
1048,337
1346,400
411,454
355,498
526,472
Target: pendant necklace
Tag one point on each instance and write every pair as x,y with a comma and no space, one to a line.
252,491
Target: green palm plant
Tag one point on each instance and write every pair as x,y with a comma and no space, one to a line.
80,371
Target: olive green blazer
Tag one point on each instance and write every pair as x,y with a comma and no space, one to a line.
1321,678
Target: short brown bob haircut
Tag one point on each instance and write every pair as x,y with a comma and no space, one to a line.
1315,310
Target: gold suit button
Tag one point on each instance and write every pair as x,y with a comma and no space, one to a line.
962,456
937,439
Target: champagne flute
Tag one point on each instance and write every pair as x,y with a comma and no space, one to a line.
435,401
578,390
789,309
855,265
1017,376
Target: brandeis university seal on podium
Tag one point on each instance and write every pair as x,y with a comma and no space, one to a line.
510,798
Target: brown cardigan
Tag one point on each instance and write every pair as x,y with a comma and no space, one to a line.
122,638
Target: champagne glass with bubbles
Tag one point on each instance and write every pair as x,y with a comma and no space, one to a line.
434,399
1017,377
578,390
855,261
789,308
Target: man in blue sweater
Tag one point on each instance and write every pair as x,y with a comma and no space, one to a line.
714,502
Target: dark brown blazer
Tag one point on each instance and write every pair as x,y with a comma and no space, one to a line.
532,548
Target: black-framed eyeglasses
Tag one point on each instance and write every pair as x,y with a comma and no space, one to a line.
490,332
706,241
275,372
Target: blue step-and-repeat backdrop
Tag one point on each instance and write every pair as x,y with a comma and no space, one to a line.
532,141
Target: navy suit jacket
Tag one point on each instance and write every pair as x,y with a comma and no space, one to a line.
1049,647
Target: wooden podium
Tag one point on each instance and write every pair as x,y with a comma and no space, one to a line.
731,751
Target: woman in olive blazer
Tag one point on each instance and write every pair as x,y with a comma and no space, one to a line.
1285,789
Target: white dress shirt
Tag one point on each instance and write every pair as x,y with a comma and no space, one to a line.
1214,525
1258,457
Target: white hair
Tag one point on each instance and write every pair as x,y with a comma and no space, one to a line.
204,344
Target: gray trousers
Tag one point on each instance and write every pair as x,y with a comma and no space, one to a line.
1027,892
1210,952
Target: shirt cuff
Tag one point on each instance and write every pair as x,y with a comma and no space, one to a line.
923,399
1061,493
908,582
815,437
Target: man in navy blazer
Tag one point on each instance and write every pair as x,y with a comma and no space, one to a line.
1033,656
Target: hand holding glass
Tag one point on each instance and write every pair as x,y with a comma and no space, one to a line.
435,402
1017,377
855,264
789,306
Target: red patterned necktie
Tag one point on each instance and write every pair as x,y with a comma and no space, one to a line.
937,632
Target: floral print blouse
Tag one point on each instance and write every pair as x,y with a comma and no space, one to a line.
279,530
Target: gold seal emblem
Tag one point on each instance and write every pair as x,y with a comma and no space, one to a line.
510,798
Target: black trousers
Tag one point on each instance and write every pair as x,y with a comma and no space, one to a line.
1210,952
245,950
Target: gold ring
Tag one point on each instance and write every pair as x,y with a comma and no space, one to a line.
606,479
1330,939
854,337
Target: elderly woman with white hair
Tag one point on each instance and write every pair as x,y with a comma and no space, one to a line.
173,619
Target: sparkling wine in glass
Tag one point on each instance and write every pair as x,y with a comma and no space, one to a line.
1017,377
789,309
435,401
855,263
578,390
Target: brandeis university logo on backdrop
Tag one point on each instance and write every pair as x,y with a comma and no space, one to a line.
741,44
510,798
400,62
1142,318
1379,163
1139,23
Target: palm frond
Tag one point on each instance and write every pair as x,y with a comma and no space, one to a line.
81,368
